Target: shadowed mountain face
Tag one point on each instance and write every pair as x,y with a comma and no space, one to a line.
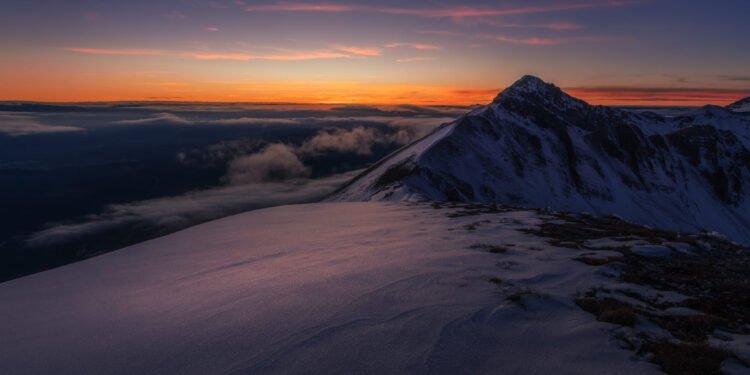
742,105
536,146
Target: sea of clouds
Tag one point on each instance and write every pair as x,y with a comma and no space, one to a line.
258,171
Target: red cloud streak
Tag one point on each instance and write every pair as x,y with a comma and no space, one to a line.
456,12
133,52
658,95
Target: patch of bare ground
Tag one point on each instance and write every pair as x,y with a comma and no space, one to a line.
609,310
494,249
471,209
495,280
713,275
595,260
687,358
520,295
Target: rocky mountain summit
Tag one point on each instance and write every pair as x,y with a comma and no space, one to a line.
536,146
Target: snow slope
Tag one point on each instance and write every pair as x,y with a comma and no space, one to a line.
336,288
536,146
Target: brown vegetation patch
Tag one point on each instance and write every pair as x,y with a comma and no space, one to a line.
687,358
609,310
692,328
494,249
596,261
518,296
495,280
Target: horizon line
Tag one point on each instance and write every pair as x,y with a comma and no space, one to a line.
624,102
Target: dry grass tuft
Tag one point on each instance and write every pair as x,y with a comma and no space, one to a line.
609,310
495,249
687,358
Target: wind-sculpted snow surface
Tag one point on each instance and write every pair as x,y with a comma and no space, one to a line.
535,146
338,288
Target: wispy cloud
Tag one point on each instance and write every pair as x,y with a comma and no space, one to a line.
294,56
255,120
173,213
212,29
453,12
18,124
560,26
129,52
301,7
502,23
419,46
158,118
359,140
532,41
392,121
528,40
220,56
627,94
285,56
543,41
414,59
735,78
176,15
275,162
362,51
487,93
443,33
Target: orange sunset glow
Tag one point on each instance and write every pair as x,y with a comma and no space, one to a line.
363,52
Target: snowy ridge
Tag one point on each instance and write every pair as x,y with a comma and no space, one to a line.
383,288
536,146
393,289
742,105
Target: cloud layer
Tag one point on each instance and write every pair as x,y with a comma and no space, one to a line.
285,55
164,117
419,124
684,95
359,140
174,213
276,162
435,12
265,165
15,124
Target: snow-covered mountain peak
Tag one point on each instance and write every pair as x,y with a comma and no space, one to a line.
528,84
536,146
715,110
742,105
531,91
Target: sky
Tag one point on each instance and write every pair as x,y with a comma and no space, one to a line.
627,52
